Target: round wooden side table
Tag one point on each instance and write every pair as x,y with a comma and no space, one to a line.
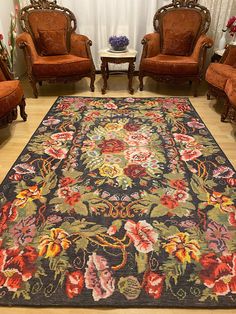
117,58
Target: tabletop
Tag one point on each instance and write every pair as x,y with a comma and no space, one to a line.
130,53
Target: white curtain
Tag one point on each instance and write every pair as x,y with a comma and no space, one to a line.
100,19
221,11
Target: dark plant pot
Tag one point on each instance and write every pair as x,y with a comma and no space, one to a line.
117,48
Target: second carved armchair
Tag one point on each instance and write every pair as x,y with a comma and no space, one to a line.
176,51
52,49
221,79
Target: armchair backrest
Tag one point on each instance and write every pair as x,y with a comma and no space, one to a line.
47,15
229,56
180,24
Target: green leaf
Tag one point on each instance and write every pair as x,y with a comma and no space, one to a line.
50,183
159,211
56,200
219,217
72,174
30,208
165,231
81,243
97,229
181,211
81,208
142,261
197,185
207,293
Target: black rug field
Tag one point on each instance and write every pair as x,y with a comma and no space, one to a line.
119,202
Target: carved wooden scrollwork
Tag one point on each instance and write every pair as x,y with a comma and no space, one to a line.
188,4
184,3
44,5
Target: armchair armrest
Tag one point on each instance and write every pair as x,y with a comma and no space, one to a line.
25,41
151,45
202,44
80,45
229,56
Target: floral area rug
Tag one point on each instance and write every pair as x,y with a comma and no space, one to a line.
119,202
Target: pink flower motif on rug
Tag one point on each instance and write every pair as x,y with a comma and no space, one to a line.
142,235
99,278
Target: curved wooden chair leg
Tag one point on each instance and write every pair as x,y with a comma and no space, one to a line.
196,85
141,82
22,110
224,116
14,113
92,88
34,87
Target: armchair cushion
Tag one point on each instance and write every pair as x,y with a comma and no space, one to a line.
180,25
170,65
59,66
178,44
53,42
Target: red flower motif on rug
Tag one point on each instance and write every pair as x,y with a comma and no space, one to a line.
16,266
219,273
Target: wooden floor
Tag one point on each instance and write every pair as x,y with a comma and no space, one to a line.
14,138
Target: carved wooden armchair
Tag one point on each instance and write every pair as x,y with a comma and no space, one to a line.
221,79
11,96
52,49
177,48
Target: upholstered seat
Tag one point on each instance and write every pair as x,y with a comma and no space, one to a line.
53,51
172,65
11,95
177,49
66,65
218,74
221,78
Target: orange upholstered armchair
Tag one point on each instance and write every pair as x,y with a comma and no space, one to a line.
52,49
176,50
221,78
11,96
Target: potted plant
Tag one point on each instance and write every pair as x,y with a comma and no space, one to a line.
118,43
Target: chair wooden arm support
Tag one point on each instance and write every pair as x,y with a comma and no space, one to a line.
25,42
204,42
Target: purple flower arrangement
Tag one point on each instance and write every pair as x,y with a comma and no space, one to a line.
118,42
